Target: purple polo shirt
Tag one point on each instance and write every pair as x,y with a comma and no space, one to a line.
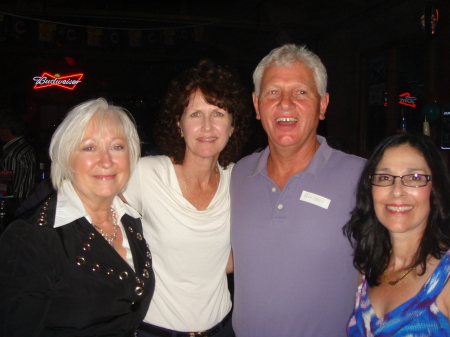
293,267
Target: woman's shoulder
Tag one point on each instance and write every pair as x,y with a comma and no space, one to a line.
439,281
154,162
33,223
228,169
42,214
149,171
225,174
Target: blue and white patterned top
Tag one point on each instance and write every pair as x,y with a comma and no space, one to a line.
417,317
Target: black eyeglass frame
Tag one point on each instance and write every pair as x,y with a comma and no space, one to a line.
428,176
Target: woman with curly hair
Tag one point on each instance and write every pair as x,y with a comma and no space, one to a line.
400,230
183,196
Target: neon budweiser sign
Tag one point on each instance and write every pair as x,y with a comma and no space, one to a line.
67,82
407,99
403,99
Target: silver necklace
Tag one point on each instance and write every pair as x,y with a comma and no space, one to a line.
109,239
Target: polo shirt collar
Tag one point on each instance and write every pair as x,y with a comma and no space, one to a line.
319,159
261,164
70,208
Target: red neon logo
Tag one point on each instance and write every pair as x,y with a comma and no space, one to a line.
66,82
406,99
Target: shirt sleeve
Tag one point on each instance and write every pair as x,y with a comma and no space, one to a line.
24,176
25,280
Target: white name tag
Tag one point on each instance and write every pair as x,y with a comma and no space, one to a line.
315,199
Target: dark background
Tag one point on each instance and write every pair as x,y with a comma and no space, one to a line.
374,51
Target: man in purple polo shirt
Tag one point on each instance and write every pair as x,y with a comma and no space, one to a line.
292,264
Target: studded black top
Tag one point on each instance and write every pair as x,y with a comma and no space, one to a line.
68,281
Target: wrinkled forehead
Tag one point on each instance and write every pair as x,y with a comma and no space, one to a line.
296,71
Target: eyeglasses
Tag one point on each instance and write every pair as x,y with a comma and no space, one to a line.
410,180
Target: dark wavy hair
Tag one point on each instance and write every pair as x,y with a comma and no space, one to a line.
371,240
221,86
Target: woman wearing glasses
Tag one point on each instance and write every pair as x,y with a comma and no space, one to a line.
400,230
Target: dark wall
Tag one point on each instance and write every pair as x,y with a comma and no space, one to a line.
345,53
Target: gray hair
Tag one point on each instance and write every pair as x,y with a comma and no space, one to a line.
70,133
285,56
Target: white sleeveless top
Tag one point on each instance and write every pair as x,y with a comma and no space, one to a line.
190,248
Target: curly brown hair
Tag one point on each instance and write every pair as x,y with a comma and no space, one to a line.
220,86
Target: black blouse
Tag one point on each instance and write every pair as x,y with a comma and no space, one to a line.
68,281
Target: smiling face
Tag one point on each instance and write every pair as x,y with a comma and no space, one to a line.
289,105
100,163
399,208
206,128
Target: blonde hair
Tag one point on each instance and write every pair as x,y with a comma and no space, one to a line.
70,133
